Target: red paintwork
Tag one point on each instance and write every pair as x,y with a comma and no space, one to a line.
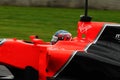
42,56
89,29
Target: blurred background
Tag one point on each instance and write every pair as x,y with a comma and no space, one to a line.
22,18
95,4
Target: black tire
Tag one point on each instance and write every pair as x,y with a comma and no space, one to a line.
31,73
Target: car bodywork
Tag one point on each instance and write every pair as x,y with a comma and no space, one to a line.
93,54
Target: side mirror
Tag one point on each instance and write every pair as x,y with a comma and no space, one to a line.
35,40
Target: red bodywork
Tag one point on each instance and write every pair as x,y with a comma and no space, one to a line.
45,58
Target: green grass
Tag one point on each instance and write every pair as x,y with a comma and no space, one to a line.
21,22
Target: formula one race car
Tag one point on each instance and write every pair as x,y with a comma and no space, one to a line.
93,54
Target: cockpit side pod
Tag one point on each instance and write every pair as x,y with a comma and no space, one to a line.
84,65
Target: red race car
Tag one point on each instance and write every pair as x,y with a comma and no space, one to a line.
93,54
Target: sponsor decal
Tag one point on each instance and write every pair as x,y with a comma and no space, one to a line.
117,37
84,28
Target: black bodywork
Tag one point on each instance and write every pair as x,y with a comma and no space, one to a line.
100,61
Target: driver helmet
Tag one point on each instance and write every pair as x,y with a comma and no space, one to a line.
61,35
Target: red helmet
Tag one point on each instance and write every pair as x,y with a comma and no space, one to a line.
61,35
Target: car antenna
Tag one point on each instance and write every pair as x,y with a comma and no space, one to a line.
85,17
